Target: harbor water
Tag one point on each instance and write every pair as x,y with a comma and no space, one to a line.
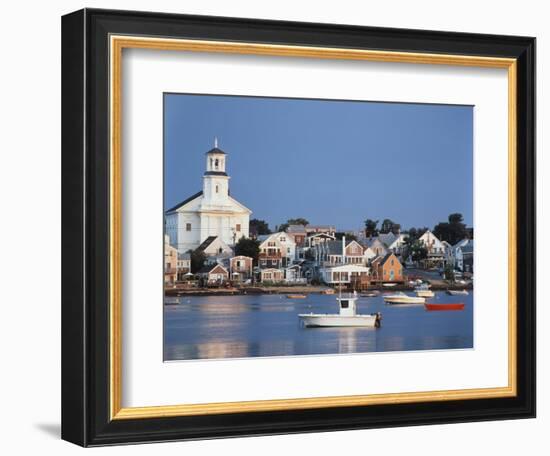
242,326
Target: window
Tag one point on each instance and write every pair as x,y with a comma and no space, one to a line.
344,304
216,163
187,227
217,188
238,227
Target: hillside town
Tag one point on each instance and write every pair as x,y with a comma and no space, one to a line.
211,242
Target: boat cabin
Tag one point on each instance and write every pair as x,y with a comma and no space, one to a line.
348,306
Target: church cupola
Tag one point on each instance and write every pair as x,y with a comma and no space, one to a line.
215,160
215,179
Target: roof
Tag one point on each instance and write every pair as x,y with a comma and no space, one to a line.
184,202
461,243
387,238
296,229
369,242
263,237
468,248
320,227
206,242
216,150
207,268
387,257
335,247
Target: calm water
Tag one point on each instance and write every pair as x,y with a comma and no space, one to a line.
267,325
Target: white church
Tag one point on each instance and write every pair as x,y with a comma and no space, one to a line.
210,212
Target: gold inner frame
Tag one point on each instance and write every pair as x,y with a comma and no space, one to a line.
117,44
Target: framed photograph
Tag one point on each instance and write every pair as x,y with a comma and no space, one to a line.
269,227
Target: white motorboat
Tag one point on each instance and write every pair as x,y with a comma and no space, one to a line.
457,292
402,298
389,285
423,291
347,317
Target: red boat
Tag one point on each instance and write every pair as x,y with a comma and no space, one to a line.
451,306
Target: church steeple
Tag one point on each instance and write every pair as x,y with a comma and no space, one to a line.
215,180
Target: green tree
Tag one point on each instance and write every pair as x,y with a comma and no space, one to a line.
371,229
417,251
448,273
259,226
396,228
414,233
349,236
298,221
248,247
197,260
452,231
387,226
292,221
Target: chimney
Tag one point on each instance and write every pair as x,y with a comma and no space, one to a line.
343,249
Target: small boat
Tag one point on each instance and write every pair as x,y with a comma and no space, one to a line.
402,298
388,285
457,292
423,291
328,291
296,296
348,316
171,302
450,306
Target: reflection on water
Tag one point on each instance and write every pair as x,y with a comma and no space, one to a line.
214,327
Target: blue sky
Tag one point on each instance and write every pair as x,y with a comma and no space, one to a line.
332,162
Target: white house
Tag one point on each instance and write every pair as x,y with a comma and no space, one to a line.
437,250
432,244
341,252
463,252
343,274
397,244
210,212
276,250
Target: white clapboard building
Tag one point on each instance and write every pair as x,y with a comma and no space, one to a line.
210,212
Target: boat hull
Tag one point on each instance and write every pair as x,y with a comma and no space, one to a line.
457,292
453,306
296,296
404,300
425,294
326,320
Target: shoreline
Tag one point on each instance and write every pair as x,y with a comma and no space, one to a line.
303,289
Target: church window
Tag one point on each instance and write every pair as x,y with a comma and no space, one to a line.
187,227
216,163
238,227
217,188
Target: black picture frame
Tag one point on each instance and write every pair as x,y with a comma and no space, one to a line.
85,225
